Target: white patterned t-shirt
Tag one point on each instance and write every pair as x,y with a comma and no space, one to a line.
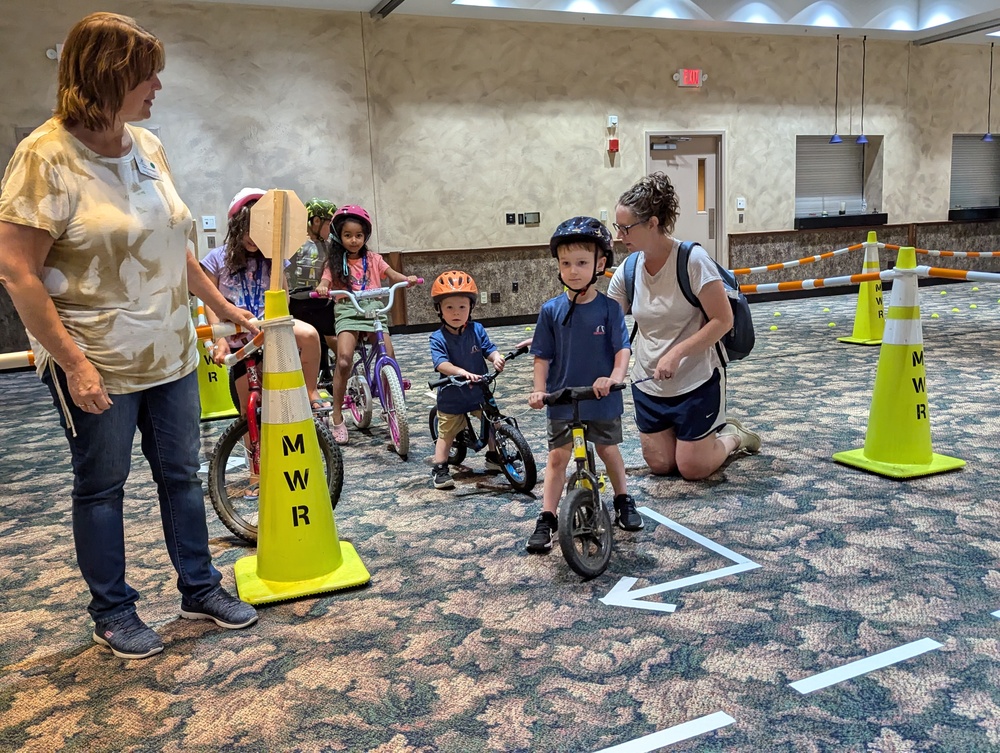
117,269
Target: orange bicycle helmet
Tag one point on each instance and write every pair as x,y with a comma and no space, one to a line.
454,282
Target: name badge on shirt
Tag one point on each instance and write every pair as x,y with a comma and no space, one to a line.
147,168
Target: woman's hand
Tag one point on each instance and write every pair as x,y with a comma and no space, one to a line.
537,399
220,351
86,387
666,367
241,317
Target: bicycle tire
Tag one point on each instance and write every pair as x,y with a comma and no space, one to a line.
585,533
361,401
518,460
229,469
395,410
458,450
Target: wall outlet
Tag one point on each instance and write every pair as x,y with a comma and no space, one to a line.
211,241
208,222
494,298
513,286
520,218
484,298
604,215
510,217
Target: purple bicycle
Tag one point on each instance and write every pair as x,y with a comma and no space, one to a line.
375,374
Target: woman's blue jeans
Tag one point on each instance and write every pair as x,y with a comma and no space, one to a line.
168,418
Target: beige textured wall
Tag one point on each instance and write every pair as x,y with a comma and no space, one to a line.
470,118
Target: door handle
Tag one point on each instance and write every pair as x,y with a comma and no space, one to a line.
711,224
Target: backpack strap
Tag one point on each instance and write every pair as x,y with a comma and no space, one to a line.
630,262
684,282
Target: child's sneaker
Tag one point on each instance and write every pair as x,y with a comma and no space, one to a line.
493,461
541,540
749,440
339,432
441,478
626,516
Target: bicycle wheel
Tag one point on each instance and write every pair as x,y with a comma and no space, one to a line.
234,489
359,400
518,460
456,454
585,533
395,410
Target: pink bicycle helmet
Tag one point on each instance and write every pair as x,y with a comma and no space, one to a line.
352,212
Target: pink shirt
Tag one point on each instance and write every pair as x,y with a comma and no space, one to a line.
377,267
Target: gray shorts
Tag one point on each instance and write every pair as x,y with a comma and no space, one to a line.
609,432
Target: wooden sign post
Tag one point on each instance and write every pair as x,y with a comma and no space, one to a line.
278,226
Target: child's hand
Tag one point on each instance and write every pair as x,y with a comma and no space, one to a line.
537,399
322,289
472,377
412,279
498,363
602,386
220,351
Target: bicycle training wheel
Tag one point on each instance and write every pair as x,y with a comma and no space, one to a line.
585,533
518,461
457,451
234,489
395,410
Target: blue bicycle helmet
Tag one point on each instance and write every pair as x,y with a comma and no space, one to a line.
587,230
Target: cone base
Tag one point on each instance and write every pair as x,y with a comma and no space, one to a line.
255,590
858,341
230,413
938,464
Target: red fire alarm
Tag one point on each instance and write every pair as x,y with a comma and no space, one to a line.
612,145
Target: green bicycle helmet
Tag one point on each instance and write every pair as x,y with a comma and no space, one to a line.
320,208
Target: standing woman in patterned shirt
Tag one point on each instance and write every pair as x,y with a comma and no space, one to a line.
96,254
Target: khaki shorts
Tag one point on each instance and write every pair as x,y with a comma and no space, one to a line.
450,425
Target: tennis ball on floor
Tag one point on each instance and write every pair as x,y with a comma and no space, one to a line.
973,306
527,329
777,313
774,327
955,310
944,292
832,324
975,290
935,316
826,311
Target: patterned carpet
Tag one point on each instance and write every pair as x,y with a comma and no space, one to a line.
463,642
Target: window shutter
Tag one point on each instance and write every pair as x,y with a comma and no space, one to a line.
827,174
975,172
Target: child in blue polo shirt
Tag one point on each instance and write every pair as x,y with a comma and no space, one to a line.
581,339
460,348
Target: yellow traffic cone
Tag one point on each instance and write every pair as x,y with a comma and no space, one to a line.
869,317
213,387
898,440
298,551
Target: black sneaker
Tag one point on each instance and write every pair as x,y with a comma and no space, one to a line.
441,478
626,516
493,461
221,606
541,540
127,636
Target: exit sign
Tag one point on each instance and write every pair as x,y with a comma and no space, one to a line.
691,78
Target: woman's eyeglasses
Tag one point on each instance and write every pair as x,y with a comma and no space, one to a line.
623,229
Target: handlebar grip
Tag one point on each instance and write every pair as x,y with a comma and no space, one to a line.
438,383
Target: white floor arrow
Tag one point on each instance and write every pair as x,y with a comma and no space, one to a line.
622,596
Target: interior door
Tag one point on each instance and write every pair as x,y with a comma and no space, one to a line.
691,163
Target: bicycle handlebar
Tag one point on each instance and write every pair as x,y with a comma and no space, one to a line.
247,350
570,395
361,295
460,381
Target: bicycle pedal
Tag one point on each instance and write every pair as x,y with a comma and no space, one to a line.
407,384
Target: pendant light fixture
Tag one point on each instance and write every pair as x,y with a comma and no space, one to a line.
989,100
862,139
836,99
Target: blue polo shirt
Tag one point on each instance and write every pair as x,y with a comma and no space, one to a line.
466,351
581,352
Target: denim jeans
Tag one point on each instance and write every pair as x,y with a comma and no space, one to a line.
168,418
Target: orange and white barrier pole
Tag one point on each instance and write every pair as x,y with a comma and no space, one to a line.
797,262
820,282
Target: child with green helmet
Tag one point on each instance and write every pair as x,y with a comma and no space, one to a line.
304,272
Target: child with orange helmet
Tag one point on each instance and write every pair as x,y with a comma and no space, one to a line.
350,265
458,349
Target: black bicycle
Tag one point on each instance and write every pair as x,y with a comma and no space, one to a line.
518,462
584,523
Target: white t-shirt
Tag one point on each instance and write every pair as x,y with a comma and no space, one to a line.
665,318
117,269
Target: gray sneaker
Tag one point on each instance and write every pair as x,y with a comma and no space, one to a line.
749,440
221,606
127,636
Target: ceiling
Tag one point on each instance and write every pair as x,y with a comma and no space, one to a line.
918,21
